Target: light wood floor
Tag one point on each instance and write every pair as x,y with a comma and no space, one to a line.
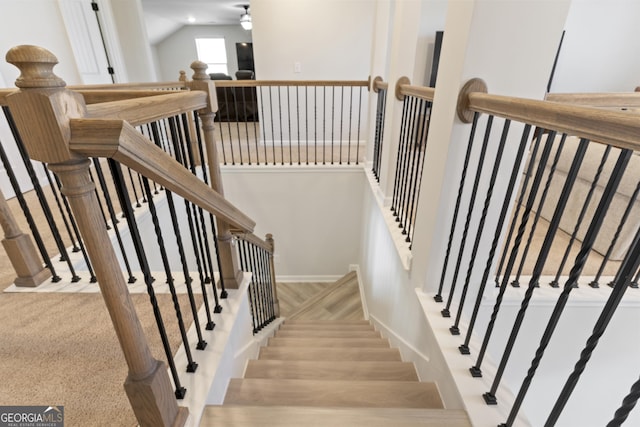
321,301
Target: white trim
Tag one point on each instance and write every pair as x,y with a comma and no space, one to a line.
365,307
402,247
408,352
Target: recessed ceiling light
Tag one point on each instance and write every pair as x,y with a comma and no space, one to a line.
191,19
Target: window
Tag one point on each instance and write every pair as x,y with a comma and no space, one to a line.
212,51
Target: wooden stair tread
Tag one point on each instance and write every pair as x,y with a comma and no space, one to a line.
335,299
389,394
326,327
325,322
329,342
329,354
295,416
327,334
331,370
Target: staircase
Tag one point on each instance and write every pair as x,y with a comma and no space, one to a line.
326,366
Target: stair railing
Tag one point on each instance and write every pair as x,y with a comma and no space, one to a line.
416,114
291,122
380,88
61,130
554,132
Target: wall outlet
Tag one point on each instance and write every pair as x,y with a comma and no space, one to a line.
297,67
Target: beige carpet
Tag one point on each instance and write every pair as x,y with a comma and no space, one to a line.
60,349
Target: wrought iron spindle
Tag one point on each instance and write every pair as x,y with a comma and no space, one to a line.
289,124
350,119
264,128
54,191
475,370
536,217
341,120
298,122
464,348
273,135
237,118
628,403
614,240
399,157
629,265
581,215
456,210
37,237
455,329
576,270
359,115
191,364
333,127
38,189
472,200
125,201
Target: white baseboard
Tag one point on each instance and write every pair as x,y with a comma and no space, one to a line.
409,353
365,308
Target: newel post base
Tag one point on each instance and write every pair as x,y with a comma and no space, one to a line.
231,273
25,261
20,250
152,400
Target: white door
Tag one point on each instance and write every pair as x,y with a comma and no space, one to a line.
86,41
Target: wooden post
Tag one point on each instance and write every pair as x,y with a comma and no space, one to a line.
272,268
20,250
231,272
42,110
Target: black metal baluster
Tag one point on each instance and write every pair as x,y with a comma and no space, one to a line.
341,119
359,113
464,348
472,200
475,370
583,211
622,280
195,241
191,365
406,159
242,249
306,123
273,135
402,148
628,403
264,128
634,283
455,329
54,191
123,195
536,218
456,210
237,118
416,168
377,139
289,124
27,213
537,271
218,119
280,128
114,219
409,153
227,91
350,123
254,117
38,189
623,220
104,216
315,125
135,192
333,110
298,120
576,270
324,123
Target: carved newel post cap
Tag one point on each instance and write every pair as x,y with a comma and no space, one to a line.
199,70
183,76
36,67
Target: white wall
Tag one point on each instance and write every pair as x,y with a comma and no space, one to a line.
177,51
132,33
600,48
331,39
314,214
35,22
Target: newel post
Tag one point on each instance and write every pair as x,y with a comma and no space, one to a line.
20,250
272,268
43,109
231,273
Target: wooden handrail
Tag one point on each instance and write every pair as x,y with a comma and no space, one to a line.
119,140
92,96
143,110
131,86
422,92
253,239
255,83
613,100
618,128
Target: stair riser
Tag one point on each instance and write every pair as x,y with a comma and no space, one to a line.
327,334
322,370
334,354
329,342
